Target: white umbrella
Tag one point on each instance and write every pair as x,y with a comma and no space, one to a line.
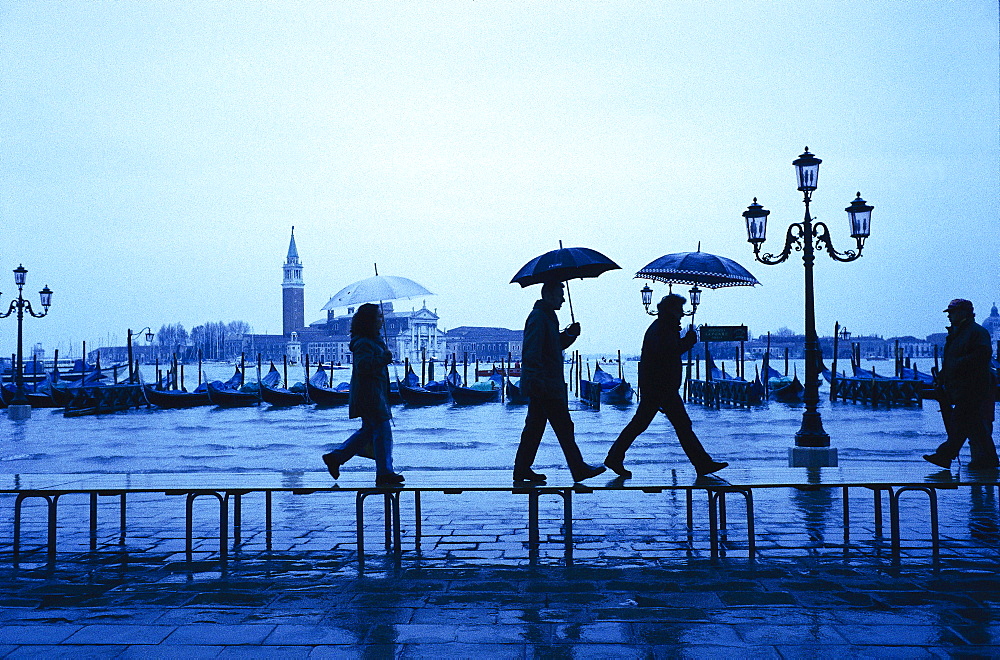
380,288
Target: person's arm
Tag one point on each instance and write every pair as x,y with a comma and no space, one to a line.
370,358
687,341
569,335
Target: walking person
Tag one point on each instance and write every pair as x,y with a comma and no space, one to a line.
542,381
369,399
659,381
966,391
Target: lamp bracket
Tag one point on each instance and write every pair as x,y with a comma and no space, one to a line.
822,240
793,240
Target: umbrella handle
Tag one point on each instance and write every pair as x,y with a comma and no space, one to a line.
569,298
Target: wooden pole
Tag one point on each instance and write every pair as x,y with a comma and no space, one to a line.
284,367
199,367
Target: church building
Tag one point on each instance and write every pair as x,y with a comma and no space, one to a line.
411,335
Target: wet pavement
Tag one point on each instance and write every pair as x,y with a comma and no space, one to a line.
642,585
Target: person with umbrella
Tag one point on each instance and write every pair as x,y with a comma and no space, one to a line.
542,381
369,399
659,382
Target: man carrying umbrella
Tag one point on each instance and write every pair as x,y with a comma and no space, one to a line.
659,381
542,381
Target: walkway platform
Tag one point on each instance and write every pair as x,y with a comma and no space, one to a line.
228,489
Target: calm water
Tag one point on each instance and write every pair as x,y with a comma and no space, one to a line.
291,439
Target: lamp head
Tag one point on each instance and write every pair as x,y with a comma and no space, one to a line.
20,275
807,170
756,217
859,213
647,296
46,297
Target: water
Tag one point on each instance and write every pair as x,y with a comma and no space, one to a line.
434,437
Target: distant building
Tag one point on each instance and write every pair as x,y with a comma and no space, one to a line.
484,344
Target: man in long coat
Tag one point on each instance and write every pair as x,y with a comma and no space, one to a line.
659,381
966,390
542,381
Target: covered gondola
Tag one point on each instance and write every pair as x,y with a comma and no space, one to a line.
272,392
614,391
487,391
433,393
320,392
177,398
226,395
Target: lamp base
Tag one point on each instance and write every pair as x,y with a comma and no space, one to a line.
812,457
18,411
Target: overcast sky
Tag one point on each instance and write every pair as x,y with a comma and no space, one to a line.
154,155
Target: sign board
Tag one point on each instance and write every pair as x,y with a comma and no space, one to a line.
723,333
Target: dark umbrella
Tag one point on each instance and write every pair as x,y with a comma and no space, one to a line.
698,269
562,265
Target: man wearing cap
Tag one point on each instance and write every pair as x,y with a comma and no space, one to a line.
966,391
659,381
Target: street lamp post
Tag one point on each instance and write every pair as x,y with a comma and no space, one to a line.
149,340
20,407
812,443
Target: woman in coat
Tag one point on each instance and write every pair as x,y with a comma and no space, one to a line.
369,399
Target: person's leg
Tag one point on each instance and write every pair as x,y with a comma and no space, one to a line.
980,433
531,436
673,408
557,410
644,414
382,445
350,447
955,428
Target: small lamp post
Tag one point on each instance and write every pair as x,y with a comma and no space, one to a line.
131,365
20,407
812,443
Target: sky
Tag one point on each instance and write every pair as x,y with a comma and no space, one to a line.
155,155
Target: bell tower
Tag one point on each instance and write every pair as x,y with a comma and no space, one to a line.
293,308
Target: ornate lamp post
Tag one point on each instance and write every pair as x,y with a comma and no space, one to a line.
20,408
131,365
812,443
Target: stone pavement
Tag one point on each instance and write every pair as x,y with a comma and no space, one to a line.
642,585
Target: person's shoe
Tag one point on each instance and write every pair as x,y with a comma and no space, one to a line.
390,479
588,471
981,465
617,465
710,467
529,477
937,460
332,465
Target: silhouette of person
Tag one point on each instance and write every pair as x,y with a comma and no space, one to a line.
966,391
659,381
369,399
542,381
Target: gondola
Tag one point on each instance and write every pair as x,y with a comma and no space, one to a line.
785,389
322,394
512,392
614,391
226,395
433,393
487,391
177,398
279,396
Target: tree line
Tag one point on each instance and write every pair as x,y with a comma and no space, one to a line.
210,338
